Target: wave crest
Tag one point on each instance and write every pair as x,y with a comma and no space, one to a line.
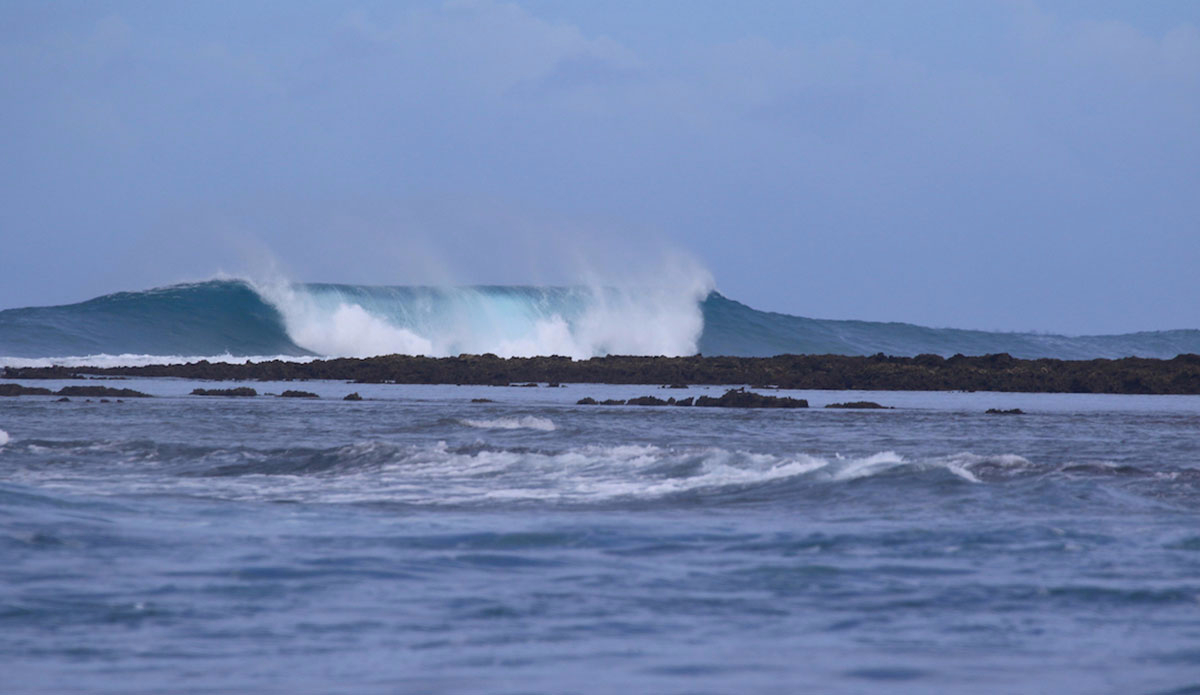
660,317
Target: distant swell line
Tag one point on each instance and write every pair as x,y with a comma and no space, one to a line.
678,314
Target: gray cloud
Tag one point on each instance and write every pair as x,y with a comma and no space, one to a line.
1009,167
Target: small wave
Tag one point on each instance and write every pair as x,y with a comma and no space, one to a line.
439,474
527,422
4,438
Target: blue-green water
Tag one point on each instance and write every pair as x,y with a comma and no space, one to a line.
418,542
232,319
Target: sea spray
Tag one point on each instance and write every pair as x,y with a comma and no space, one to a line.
659,315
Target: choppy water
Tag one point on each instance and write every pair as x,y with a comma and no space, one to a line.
418,542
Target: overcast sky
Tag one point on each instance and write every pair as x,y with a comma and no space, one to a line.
998,165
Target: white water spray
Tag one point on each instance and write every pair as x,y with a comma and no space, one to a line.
656,314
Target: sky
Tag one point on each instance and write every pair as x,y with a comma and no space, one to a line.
994,165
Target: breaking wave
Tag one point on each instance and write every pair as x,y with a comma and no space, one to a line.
678,314
439,475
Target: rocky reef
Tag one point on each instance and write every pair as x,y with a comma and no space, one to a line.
733,398
79,391
1000,372
241,392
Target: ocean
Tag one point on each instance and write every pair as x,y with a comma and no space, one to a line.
234,319
455,539
419,542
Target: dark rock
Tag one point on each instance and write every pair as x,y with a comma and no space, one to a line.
100,391
1180,375
482,400
241,391
684,401
298,394
105,400
553,385
645,400
530,385
612,401
859,405
19,390
64,399
675,386
1010,411
352,397
587,400
741,398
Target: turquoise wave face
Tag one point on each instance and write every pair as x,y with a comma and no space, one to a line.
732,328
233,318
209,318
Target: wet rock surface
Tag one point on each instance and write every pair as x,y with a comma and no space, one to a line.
1000,372
241,392
733,398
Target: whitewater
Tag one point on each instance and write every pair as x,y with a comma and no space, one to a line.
679,314
437,538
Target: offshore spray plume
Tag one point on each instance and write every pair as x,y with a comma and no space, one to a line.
655,310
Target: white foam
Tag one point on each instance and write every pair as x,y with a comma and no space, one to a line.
527,422
655,315
380,471
4,438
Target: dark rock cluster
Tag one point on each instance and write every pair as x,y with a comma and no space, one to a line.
1000,372
241,391
733,398
81,391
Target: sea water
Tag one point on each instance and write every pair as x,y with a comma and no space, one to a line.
419,542
673,314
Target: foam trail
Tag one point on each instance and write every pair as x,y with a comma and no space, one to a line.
528,422
4,438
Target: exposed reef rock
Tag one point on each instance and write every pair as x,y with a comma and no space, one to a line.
1002,372
241,391
352,397
733,398
19,390
298,394
741,398
859,405
1010,411
83,391
100,391
648,400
